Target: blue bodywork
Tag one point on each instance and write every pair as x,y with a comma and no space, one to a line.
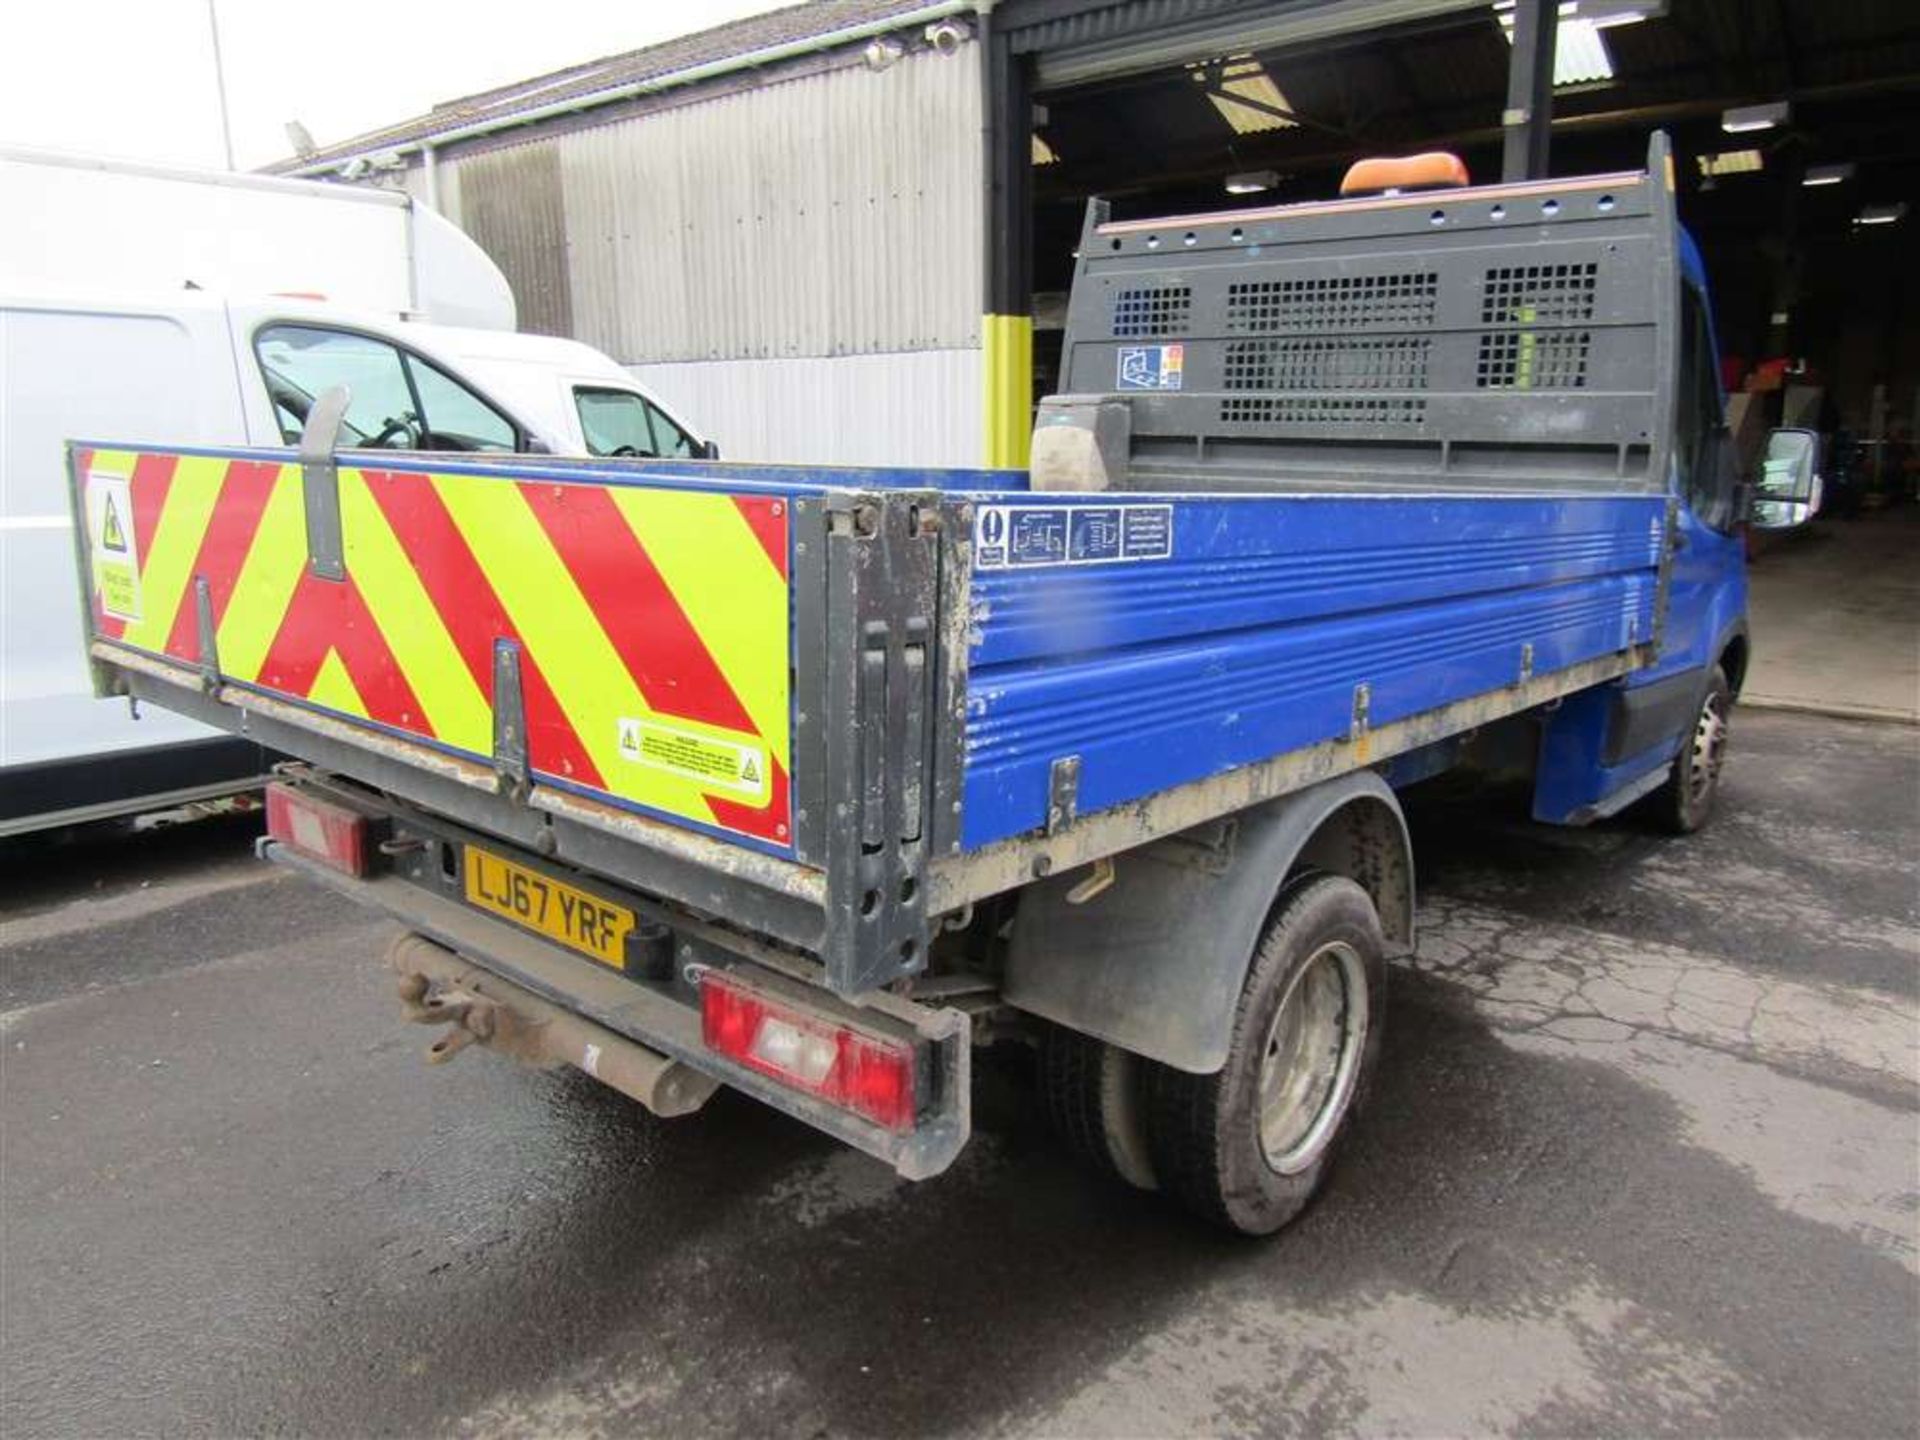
1248,639
1581,772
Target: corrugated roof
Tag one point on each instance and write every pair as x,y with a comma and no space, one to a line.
794,23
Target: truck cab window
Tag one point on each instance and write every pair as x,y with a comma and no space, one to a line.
1702,455
619,422
398,401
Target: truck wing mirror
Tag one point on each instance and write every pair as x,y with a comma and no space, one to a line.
707,450
1788,490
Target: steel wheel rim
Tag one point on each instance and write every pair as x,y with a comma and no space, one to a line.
1311,1057
1709,749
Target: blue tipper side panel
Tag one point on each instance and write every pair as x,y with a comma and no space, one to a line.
1167,638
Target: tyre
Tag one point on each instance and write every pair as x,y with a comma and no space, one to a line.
1685,802
1092,1095
1248,1146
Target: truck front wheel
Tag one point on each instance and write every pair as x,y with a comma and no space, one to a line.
1248,1146
1686,800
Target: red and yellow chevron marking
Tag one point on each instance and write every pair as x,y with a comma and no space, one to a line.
653,623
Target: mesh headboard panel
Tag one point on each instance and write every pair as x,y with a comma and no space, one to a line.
1505,335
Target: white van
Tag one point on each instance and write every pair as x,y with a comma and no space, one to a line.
195,369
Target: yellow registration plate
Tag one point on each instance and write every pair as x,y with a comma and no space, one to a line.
547,907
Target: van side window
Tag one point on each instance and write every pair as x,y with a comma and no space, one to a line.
1701,452
398,400
619,422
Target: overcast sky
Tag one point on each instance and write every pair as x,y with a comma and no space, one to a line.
135,78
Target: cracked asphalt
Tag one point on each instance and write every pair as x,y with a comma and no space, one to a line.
1643,1157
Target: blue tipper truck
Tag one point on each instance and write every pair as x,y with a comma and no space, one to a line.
808,781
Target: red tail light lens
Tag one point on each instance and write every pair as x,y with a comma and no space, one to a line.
865,1073
318,829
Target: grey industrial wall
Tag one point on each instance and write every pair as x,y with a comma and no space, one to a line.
797,264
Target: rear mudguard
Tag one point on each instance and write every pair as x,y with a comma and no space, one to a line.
1154,962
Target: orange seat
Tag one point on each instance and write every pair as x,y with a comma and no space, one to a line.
1383,174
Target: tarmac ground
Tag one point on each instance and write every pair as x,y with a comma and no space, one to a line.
1641,1159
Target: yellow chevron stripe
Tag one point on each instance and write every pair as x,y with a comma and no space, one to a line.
557,625
334,688
264,587
167,567
412,628
734,598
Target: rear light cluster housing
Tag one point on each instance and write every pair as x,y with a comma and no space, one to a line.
319,829
850,1068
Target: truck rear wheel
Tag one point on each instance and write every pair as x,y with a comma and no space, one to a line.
1093,1098
1685,802
1248,1146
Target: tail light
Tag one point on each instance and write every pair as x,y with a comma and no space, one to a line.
869,1074
318,829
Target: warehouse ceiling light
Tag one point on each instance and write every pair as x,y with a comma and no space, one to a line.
1732,162
1252,182
1580,54
1245,95
1748,118
1828,174
1882,214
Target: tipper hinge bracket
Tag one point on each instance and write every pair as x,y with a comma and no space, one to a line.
320,483
208,632
510,758
1063,793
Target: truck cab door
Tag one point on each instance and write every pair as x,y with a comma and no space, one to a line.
1706,597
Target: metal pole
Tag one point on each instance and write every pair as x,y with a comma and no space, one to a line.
220,83
1528,117
1006,338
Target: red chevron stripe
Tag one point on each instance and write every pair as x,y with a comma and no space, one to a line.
244,492
330,615
152,478
471,610
664,654
767,518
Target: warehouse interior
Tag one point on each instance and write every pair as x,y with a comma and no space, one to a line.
1796,125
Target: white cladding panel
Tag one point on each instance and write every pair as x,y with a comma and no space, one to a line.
914,408
834,213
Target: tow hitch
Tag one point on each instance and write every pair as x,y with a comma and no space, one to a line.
437,987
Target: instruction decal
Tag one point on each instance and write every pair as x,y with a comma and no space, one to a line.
1018,536
709,761
116,562
1151,367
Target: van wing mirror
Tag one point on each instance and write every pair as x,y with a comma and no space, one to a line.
1788,490
708,450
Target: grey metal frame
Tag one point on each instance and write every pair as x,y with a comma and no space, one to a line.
1510,337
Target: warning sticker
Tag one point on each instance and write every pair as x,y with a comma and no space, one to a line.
1011,536
116,562
1151,367
714,763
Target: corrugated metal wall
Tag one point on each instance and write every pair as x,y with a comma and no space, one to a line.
835,214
